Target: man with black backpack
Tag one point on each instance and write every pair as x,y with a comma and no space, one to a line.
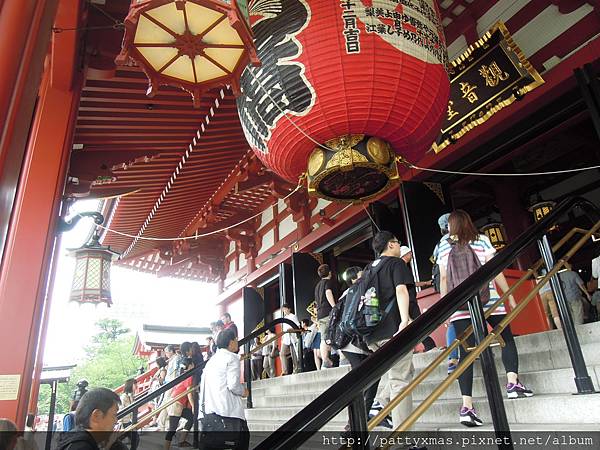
394,285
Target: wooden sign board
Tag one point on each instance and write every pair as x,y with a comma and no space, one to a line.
490,75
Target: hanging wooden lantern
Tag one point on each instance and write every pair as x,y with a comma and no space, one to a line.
496,234
91,280
541,210
336,69
191,44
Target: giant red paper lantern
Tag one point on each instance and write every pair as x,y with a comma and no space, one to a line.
191,44
365,78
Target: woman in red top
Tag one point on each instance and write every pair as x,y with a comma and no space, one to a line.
182,408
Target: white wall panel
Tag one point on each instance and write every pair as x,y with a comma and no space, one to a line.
268,241
501,11
286,226
547,26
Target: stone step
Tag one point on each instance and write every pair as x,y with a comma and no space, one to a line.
536,342
284,413
267,426
529,362
530,365
261,426
305,377
542,408
537,352
558,381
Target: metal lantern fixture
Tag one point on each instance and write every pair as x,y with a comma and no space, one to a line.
91,280
541,210
496,234
191,44
355,167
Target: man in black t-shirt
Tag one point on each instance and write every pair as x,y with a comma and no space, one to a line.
395,282
325,298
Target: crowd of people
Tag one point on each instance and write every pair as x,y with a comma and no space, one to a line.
214,394
460,251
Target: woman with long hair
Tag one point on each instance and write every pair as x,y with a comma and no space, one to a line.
182,408
127,398
462,232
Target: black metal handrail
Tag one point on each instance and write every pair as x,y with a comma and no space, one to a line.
184,376
157,392
326,406
247,340
264,328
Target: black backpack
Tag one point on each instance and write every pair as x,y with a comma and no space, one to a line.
435,277
336,336
358,320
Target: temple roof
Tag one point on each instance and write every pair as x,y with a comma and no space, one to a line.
173,170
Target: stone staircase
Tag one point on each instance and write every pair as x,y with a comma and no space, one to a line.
544,366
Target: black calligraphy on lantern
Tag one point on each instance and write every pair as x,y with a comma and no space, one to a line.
279,87
351,31
493,74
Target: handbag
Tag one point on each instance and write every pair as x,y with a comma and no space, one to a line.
212,426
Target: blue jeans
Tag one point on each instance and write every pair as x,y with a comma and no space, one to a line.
450,338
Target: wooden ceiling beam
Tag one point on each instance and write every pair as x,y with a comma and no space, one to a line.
95,126
88,116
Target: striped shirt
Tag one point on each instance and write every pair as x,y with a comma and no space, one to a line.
484,250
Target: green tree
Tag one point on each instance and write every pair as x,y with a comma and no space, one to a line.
111,329
109,361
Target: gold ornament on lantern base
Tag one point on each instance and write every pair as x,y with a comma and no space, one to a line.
353,167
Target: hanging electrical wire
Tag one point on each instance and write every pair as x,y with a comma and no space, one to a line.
197,235
496,174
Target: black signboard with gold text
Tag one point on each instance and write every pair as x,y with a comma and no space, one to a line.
490,75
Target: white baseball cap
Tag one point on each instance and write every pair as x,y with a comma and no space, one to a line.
404,250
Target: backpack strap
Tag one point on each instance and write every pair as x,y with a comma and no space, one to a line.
373,270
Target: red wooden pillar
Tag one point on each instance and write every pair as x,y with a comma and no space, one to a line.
26,28
32,242
515,217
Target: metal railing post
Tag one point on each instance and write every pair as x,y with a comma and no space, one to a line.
300,354
196,429
490,376
358,423
248,374
50,430
583,382
134,436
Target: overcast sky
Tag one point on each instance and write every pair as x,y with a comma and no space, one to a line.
137,298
